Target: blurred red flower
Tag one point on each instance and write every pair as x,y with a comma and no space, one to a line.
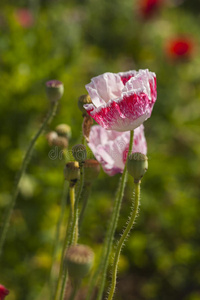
24,17
179,48
3,292
149,7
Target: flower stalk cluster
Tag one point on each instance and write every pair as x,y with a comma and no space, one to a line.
119,103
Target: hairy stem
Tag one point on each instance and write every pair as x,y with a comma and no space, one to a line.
122,240
112,227
74,233
74,236
63,272
57,238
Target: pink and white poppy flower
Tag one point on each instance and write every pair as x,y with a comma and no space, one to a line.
122,101
111,147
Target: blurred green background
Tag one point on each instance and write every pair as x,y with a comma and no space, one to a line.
73,41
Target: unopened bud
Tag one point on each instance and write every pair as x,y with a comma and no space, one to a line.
61,142
92,169
137,165
51,137
79,153
82,100
72,171
55,140
79,259
54,90
64,130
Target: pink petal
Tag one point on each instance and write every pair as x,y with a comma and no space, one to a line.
105,87
111,147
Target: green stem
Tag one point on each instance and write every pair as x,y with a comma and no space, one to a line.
83,142
84,198
75,290
64,281
74,236
25,162
123,238
112,227
57,238
72,200
63,272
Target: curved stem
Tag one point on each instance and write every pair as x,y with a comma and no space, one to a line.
122,240
57,237
112,227
24,165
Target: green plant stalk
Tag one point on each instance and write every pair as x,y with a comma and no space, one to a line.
74,234
112,226
57,238
24,165
75,289
123,238
74,237
84,198
64,281
83,141
63,273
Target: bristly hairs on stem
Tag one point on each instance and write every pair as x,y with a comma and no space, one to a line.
112,225
123,238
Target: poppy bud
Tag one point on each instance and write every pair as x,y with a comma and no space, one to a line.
79,259
92,169
54,90
63,130
137,165
84,99
51,137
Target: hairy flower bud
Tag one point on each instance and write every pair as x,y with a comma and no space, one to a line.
92,169
64,130
82,100
79,259
72,172
54,90
137,165
79,153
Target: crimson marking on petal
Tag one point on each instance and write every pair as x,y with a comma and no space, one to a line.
125,79
153,84
126,110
